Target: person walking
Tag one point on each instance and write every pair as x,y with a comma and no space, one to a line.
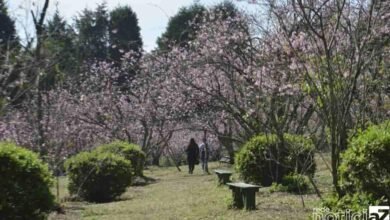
204,155
192,155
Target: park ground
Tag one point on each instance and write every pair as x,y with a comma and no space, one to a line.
170,194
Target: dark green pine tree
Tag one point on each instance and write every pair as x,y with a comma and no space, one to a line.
8,38
59,48
225,10
92,28
124,33
56,27
182,27
9,49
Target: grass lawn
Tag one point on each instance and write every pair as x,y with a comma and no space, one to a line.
178,195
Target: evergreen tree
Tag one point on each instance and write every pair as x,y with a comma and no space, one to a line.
59,48
124,33
92,27
8,38
225,10
9,48
181,27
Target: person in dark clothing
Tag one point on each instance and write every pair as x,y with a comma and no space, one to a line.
192,155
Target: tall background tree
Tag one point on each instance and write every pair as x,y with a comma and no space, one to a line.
124,39
181,27
124,33
59,46
92,28
8,37
9,46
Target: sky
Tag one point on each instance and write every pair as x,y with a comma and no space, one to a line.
153,15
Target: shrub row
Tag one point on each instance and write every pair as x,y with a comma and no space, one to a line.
103,174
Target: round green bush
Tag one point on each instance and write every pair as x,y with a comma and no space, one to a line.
292,183
365,164
129,151
98,177
295,183
25,183
265,159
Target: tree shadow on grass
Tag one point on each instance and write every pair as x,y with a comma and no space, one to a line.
70,210
77,203
143,181
75,207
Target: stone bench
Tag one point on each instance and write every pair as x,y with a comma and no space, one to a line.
223,176
244,195
225,159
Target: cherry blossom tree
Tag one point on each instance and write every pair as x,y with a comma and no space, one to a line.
333,45
313,68
227,79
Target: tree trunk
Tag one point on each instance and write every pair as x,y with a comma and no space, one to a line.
228,144
335,162
156,160
231,156
39,30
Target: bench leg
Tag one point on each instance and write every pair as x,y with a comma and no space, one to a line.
237,198
249,199
225,179
220,179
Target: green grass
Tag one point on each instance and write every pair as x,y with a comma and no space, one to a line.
178,195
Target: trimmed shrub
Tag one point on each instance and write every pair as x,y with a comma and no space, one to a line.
265,159
292,183
364,172
25,183
295,183
98,177
129,151
365,164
